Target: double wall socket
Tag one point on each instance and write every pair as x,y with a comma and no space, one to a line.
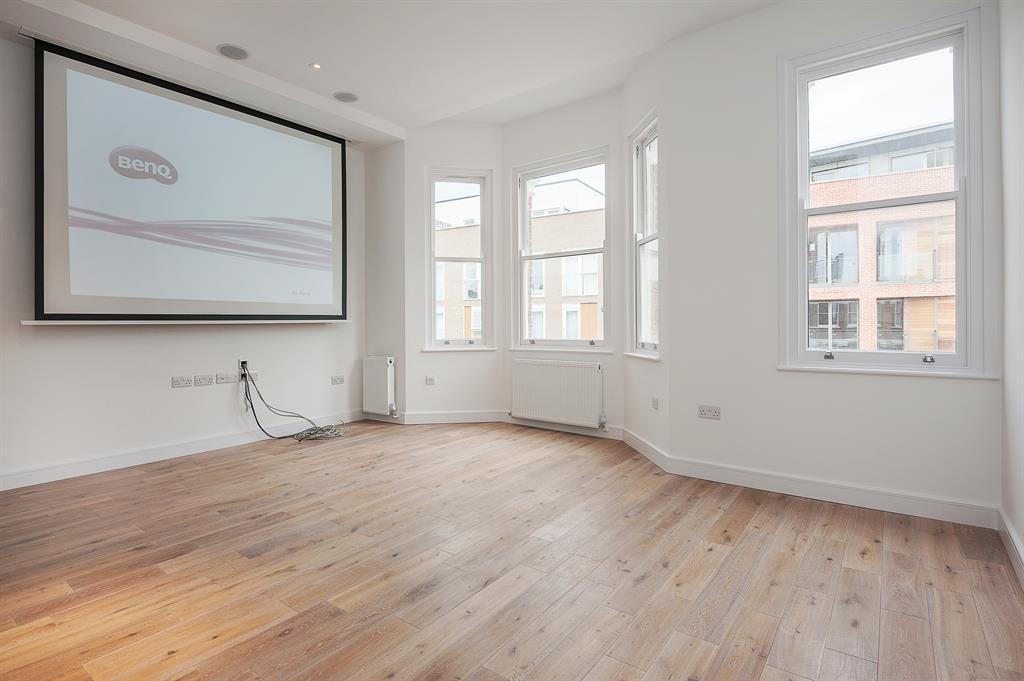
706,411
338,380
181,381
204,379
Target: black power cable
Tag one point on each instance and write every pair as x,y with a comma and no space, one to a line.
315,432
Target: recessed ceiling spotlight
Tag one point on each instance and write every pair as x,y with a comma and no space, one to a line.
346,97
315,66
233,51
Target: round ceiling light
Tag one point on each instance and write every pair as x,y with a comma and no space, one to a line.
346,97
233,51
315,66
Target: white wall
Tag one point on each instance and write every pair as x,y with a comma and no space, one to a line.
469,385
385,252
717,98
1012,63
646,379
583,125
79,399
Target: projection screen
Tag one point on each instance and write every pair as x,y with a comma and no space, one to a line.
158,202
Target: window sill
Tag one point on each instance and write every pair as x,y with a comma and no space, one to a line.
877,371
562,349
650,357
460,348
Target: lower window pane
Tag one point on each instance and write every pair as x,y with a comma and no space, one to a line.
459,306
896,266
919,324
833,324
563,298
647,303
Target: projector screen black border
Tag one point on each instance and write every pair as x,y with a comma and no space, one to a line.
41,48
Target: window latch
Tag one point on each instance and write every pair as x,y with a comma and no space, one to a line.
928,359
592,343
829,355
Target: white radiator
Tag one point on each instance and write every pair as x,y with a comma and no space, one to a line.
560,392
379,386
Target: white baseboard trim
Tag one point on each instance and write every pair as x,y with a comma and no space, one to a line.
72,469
492,416
473,416
611,432
896,501
1013,543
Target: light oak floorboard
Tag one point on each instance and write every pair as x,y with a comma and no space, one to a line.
484,552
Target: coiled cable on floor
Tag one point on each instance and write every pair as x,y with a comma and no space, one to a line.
314,432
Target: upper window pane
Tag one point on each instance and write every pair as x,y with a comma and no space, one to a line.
883,131
565,211
457,219
650,225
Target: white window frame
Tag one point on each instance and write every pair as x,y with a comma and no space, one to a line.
645,132
520,291
483,179
974,356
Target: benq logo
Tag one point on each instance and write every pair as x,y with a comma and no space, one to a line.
141,164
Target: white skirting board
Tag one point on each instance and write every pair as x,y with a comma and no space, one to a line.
72,469
1014,544
895,501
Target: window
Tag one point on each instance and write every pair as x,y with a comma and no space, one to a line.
645,252
832,324
439,330
537,279
471,281
475,323
890,324
580,275
535,324
879,156
919,250
828,172
561,237
832,255
459,234
570,320
919,160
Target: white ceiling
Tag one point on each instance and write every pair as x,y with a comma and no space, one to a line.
411,62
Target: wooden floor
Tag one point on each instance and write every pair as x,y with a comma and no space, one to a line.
483,552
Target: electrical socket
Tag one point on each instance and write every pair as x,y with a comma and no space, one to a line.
254,375
706,411
227,378
338,380
204,379
181,381
430,380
